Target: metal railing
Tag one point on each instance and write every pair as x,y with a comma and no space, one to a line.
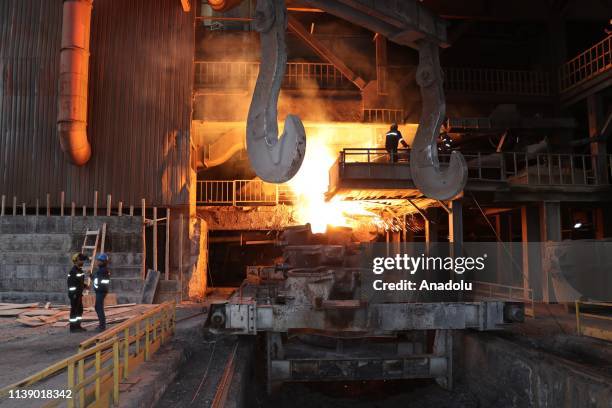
254,191
242,193
94,372
383,115
506,292
59,205
585,328
550,169
556,169
586,65
315,75
497,81
241,74
371,155
218,192
225,74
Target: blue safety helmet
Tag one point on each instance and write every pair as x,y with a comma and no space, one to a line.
102,257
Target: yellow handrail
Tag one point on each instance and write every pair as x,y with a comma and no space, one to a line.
92,380
583,329
54,368
122,326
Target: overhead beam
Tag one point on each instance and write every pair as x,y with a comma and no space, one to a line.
403,22
519,10
419,210
445,207
459,31
606,130
596,127
305,10
501,142
322,51
495,211
381,64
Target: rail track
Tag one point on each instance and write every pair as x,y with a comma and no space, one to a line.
225,381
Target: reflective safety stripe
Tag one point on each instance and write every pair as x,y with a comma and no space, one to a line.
72,288
391,134
79,318
80,274
73,320
105,281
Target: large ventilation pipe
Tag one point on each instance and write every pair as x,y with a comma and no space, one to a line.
73,78
223,5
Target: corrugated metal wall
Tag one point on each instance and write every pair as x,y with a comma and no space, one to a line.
139,103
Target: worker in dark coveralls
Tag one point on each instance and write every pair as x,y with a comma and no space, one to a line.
101,283
76,285
391,140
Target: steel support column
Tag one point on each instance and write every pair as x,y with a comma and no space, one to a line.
599,223
532,260
455,227
381,64
550,230
598,148
431,225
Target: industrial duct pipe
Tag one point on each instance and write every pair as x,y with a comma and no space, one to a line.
223,5
73,81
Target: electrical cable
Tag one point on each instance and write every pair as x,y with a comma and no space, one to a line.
212,353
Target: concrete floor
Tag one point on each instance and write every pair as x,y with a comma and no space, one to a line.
26,350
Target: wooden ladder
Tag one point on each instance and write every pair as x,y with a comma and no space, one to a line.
90,249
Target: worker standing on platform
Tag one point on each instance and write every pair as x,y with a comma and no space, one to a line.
391,140
76,285
101,283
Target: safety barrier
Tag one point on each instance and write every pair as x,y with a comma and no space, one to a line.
95,371
550,169
383,115
586,65
242,193
215,192
506,292
497,81
586,328
59,205
242,74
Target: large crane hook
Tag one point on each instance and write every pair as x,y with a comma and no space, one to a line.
424,164
274,159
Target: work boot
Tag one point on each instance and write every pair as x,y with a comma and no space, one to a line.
101,329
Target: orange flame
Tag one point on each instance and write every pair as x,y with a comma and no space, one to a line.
310,185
